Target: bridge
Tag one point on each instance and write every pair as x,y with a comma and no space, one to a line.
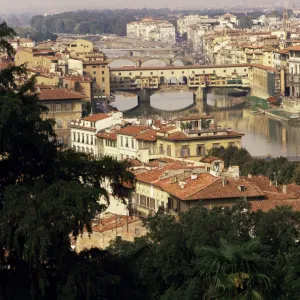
145,81
150,61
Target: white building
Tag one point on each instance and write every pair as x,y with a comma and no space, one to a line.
83,131
186,21
152,30
228,21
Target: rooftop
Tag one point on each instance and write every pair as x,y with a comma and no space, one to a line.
58,94
132,130
96,117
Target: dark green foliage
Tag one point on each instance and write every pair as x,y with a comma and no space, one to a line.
279,169
45,196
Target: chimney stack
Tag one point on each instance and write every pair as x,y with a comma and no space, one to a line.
284,189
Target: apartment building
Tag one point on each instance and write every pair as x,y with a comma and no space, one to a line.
152,30
80,46
98,71
84,130
64,106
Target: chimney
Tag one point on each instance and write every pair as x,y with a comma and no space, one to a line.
194,176
224,181
284,189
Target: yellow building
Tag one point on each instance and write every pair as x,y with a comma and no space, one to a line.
33,58
64,106
193,144
79,84
98,71
80,46
264,81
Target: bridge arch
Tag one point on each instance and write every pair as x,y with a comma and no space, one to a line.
182,80
121,62
172,80
154,62
178,63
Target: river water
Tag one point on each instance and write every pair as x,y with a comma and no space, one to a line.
263,135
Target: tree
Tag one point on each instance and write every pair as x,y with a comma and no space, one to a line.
46,196
234,271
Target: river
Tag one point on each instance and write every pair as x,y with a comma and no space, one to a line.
263,135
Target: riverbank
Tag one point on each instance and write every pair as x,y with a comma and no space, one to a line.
274,112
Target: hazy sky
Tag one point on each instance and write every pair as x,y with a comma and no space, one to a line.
46,6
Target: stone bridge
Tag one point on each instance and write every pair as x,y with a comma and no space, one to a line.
154,61
144,81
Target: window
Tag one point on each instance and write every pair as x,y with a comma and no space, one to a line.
168,150
94,72
122,156
58,123
141,73
203,72
126,142
78,137
87,139
68,106
120,74
161,73
94,67
92,140
161,149
130,74
82,138
74,136
121,139
200,150
102,79
102,72
132,143
182,72
151,73
94,79
185,151
66,86
58,107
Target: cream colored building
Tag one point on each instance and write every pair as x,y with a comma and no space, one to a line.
84,130
80,46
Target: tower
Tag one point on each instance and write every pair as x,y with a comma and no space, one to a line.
286,20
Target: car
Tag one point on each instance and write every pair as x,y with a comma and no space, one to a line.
294,116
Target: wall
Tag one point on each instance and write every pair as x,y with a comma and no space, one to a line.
63,117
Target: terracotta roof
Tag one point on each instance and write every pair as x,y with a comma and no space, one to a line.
96,117
177,136
151,176
164,129
266,205
183,136
58,94
78,78
95,62
263,182
210,159
149,135
109,136
263,67
293,48
82,127
207,186
136,163
132,130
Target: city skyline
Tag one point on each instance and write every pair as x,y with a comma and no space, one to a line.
35,6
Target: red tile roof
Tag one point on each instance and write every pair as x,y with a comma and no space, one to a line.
96,117
149,135
58,94
109,136
207,186
266,205
132,130
164,129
